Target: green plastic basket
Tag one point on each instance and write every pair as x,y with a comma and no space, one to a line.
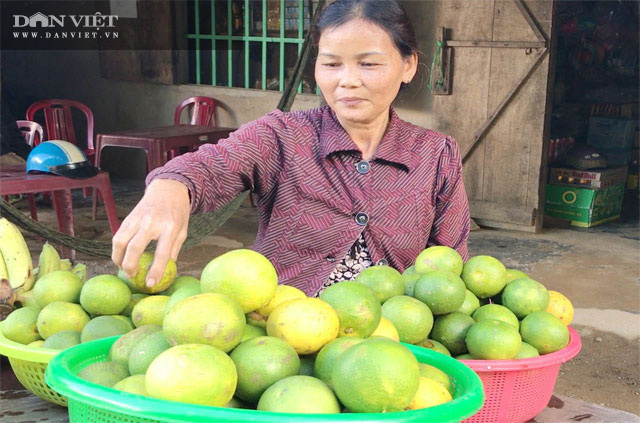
89,402
29,364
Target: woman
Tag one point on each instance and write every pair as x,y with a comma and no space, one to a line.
340,187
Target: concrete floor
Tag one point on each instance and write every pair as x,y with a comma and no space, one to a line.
597,268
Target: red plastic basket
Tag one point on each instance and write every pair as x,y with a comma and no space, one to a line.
518,390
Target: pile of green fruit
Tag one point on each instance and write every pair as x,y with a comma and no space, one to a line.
484,311
236,338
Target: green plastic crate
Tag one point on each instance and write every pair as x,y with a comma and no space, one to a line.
92,403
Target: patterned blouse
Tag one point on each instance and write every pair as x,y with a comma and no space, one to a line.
354,262
316,195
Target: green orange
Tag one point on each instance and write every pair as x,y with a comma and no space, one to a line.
357,306
384,281
485,276
439,257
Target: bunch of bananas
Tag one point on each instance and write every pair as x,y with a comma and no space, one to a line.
17,274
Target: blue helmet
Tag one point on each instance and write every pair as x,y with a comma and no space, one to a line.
60,158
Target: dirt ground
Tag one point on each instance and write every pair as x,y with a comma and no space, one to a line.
607,370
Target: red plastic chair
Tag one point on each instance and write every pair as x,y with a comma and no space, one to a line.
59,122
33,135
31,131
202,111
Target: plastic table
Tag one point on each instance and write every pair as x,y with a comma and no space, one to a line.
158,141
15,180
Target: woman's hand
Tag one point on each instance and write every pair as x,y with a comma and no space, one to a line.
162,214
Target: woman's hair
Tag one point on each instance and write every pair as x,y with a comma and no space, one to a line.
387,14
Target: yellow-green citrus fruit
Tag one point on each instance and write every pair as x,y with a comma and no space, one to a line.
213,319
105,373
60,316
430,393
121,349
443,291
384,281
544,331
386,329
301,395
485,276
261,362
431,372
561,307
132,384
180,282
21,325
451,329
283,293
376,376
326,358
139,281
513,274
186,291
439,257
59,285
493,340
496,312
149,310
307,324
251,331
410,277
245,275
471,303
144,352
105,294
104,326
525,296
527,351
412,318
62,340
192,373
434,345
357,306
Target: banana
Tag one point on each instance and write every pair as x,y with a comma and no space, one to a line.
81,271
49,260
16,255
4,274
65,264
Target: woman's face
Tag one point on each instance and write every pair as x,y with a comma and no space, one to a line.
359,70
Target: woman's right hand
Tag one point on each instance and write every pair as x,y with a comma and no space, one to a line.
163,215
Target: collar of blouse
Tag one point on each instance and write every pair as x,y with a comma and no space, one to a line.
392,148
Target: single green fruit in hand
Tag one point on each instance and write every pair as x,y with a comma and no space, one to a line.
139,281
